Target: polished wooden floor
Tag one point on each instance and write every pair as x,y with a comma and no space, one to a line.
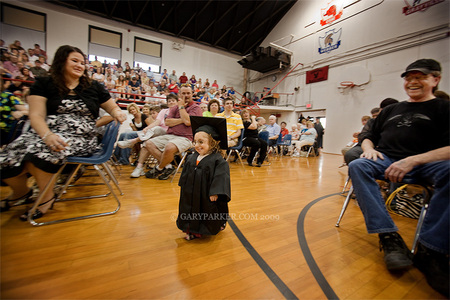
139,253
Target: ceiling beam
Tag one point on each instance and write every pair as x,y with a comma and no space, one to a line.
138,17
264,22
166,17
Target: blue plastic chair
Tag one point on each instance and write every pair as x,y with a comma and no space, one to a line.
99,161
237,149
284,142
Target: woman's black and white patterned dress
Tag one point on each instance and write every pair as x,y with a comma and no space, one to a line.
73,121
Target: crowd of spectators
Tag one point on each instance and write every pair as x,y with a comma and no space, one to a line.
127,84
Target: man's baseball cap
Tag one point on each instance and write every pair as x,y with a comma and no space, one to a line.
424,65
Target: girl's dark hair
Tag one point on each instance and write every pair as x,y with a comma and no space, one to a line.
214,146
57,69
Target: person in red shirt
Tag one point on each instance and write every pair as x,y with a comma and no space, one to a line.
284,130
183,78
173,87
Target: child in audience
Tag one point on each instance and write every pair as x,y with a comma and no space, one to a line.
205,181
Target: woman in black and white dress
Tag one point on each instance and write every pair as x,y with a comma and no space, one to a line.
63,111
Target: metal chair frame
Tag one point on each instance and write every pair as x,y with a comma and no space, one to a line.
183,159
422,215
99,161
236,149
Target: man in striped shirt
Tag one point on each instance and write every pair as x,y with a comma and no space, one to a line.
234,122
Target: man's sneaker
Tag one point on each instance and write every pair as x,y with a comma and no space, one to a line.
153,173
125,144
166,173
435,267
396,254
138,172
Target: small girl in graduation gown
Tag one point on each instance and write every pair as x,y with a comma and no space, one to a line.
205,182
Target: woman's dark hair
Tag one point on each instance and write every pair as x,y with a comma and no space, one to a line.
58,68
213,101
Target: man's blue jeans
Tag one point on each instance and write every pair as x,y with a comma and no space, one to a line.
123,155
435,229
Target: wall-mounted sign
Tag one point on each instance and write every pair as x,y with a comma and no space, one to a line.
316,75
331,12
330,42
413,6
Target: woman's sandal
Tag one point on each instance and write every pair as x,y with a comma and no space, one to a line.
25,199
38,213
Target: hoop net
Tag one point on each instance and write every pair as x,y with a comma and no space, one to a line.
346,84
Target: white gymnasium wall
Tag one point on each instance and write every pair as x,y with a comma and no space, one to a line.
377,36
71,27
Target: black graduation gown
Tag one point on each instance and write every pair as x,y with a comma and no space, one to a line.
196,212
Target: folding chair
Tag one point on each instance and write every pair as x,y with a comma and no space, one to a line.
99,161
427,196
236,149
284,142
183,159
311,148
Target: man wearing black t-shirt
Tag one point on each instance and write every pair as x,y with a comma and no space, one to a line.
410,138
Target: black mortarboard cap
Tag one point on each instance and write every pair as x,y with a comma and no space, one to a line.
424,65
216,127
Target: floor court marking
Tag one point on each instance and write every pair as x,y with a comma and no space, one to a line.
279,284
315,270
323,283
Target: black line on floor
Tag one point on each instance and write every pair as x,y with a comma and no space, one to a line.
280,285
323,283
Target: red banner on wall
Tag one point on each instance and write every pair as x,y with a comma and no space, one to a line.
317,75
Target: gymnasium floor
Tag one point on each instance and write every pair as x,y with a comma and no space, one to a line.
281,243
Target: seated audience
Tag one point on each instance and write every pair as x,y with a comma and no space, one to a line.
178,138
306,138
42,150
173,77
354,141
213,108
173,87
44,64
252,140
110,86
356,151
11,65
12,108
234,122
394,148
157,128
38,51
138,122
121,85
261,124
193,82
283,129
134,86
295,133
183,79
164,75
274,130
37,70
204,107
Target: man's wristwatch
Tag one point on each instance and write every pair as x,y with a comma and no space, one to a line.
180,107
